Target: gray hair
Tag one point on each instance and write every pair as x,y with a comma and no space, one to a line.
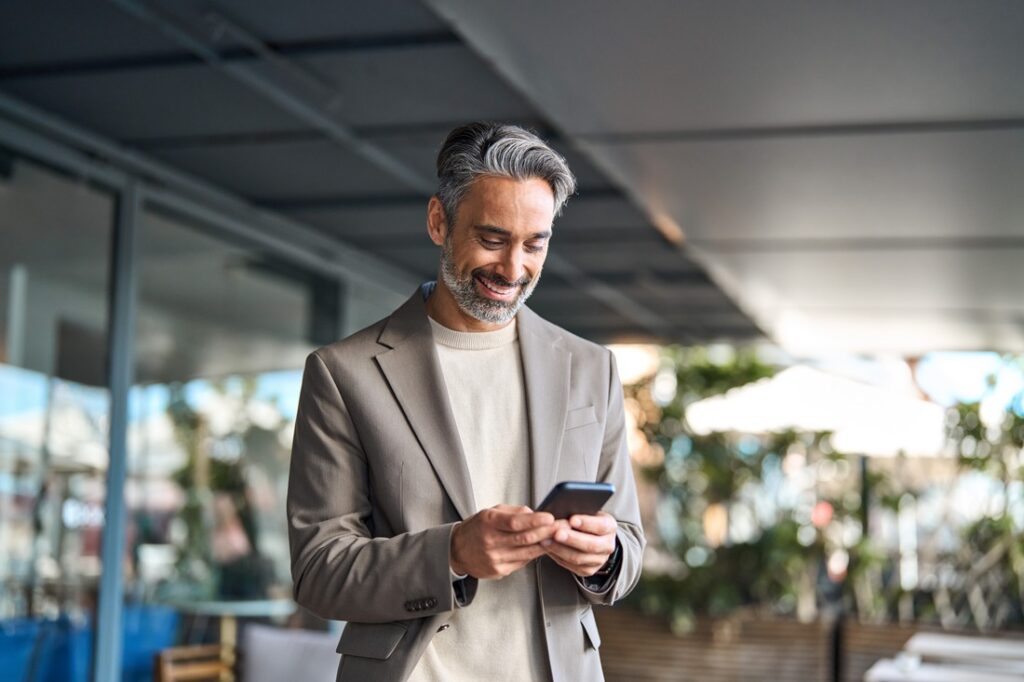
494,149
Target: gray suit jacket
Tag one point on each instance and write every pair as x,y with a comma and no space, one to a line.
378,480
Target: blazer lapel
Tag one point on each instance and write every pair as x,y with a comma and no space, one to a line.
546,368
413,372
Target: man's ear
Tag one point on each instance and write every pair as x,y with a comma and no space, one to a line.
437,221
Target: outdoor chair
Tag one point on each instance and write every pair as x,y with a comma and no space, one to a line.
193,663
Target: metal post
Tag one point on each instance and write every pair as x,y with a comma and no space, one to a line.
17,311
865,497
109,637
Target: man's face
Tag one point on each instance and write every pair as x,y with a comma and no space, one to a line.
492,257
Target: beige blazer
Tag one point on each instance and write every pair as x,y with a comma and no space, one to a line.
378,480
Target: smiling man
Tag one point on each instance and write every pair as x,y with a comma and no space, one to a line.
424,443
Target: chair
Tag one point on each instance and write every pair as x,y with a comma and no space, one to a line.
195,663
272,654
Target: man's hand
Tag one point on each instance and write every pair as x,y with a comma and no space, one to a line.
582,544
496,542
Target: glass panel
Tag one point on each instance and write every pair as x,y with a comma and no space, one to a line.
55,236
222,333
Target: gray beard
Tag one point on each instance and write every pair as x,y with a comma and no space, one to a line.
472,303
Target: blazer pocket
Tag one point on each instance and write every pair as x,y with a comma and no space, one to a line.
370,640
581,416
590,628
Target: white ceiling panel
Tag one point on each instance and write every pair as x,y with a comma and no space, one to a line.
889,292
919,185
602,66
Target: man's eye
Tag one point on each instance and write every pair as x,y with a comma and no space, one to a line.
534,248
491,243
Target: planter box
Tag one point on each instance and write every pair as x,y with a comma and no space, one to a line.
638,648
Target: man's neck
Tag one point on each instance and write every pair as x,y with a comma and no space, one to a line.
441,306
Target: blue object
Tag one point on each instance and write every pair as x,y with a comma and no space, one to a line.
36,650
17,641
147,630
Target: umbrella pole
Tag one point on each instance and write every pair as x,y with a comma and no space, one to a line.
865,496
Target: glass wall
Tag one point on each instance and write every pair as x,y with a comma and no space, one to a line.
222,326
222,333
55,240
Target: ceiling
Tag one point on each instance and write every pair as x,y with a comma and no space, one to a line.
852,174
331,114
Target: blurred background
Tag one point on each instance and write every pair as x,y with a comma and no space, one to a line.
799,226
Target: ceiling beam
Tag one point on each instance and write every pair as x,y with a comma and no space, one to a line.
803,131
433,130
342,202
297,48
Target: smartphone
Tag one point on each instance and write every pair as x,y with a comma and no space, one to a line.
576,497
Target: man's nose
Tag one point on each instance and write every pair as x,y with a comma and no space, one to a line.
512,265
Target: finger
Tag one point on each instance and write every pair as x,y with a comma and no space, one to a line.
575,558
527,520
584,542
602,524
500,517
581,571
519,554
512,508
533,536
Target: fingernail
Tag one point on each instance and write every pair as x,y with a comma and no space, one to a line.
561,536
545,543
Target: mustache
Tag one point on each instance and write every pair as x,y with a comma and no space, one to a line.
501,281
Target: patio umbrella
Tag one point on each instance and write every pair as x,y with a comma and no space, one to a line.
864,419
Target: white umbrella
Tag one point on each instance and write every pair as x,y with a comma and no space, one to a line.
864,419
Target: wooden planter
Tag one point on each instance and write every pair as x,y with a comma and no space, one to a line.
639,648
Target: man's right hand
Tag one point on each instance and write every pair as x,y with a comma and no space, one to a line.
496,542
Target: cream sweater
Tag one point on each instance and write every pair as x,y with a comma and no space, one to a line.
498,637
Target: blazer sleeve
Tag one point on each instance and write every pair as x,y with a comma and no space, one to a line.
339,569
615,467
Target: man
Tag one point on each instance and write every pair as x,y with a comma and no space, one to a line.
424,442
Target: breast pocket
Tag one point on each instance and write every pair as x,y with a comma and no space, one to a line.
581,444
580,417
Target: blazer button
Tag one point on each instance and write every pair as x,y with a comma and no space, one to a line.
444,627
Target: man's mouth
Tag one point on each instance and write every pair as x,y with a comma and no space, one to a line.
496,290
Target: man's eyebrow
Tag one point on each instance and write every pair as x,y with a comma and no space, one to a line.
494,229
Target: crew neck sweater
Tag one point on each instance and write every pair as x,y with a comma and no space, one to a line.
498,637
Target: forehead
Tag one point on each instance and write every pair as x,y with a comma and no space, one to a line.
509,203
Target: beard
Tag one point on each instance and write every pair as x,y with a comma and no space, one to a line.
463,289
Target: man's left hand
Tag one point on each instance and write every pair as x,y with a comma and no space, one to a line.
582,544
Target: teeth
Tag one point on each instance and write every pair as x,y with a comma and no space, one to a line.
494,288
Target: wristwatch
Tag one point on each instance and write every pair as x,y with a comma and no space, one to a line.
612,564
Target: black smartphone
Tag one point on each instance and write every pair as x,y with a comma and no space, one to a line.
576,497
